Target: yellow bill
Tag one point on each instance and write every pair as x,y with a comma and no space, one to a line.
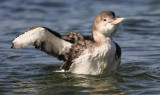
117,20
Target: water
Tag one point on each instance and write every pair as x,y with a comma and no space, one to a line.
30,72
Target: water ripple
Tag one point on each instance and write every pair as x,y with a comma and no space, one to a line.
29,71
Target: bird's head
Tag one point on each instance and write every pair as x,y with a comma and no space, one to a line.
105,23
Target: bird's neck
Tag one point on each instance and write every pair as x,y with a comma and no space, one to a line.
100,38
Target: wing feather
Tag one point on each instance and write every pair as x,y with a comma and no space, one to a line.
44,39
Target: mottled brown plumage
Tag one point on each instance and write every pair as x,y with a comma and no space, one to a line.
80,43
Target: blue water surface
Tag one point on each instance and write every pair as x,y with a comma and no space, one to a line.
30,72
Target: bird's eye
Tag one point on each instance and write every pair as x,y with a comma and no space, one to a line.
104,19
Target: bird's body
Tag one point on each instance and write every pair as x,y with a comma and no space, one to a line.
96,59
82,54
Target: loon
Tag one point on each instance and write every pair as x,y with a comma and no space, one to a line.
94,54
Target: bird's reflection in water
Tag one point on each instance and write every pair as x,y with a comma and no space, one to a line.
67,83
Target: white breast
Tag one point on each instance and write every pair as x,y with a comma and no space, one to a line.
100,61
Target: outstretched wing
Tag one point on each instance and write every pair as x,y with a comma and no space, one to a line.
44,39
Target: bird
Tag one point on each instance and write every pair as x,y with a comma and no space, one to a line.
96,54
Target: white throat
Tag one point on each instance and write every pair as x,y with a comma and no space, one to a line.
100,38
